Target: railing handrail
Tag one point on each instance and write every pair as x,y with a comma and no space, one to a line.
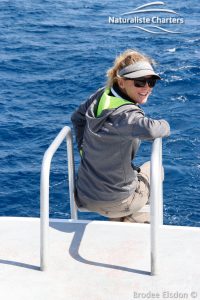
155,194
44,189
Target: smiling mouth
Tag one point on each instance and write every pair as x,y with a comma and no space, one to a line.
143,94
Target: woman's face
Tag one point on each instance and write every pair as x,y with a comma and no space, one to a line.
137,94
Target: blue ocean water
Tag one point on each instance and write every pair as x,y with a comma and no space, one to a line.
54,54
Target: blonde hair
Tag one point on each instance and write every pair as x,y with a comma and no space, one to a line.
125,59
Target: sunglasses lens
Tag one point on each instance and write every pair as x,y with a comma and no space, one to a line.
151,82
139,83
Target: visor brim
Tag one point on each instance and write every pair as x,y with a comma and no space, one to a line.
141,73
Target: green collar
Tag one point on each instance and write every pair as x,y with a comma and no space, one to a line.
110,102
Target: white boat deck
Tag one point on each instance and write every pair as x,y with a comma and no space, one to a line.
97,260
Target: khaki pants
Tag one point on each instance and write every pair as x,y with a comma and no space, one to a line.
139,199
126,210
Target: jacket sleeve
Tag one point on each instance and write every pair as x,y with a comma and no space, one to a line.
139,126
78,119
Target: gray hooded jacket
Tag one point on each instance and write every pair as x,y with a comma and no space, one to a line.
109,143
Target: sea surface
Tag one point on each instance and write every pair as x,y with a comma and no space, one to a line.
53,55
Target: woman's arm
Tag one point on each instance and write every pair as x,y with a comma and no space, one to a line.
134,124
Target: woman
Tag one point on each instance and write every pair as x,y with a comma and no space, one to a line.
109,127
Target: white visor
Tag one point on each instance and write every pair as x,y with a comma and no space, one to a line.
138,69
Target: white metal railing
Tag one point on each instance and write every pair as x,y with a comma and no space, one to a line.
156,202
44,189
155,195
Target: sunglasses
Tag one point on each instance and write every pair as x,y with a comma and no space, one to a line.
142,82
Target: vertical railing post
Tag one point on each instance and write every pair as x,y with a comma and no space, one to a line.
161,183
44,211
156,201
44,190
71,176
